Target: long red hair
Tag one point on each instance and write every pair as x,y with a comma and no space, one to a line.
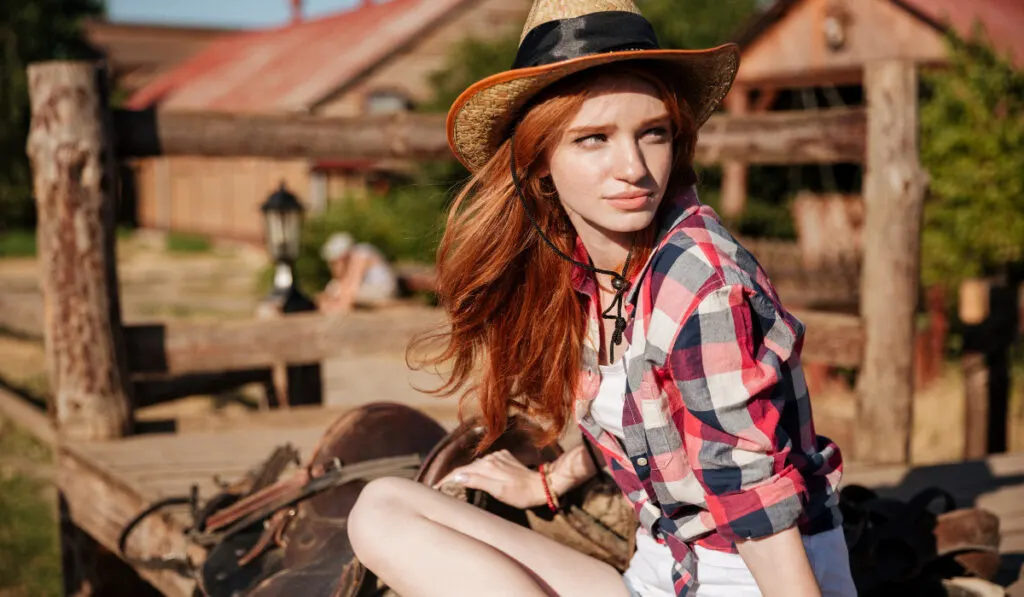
516,326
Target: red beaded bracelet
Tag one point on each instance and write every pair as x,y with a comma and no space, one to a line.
552,504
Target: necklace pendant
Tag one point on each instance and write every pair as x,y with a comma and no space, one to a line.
617,283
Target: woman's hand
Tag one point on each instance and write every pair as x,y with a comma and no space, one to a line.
501,475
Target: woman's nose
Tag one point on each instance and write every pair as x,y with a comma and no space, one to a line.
630,165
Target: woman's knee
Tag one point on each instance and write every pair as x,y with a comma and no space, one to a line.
377,505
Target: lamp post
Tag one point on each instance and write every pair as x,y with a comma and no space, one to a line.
282,220
282,216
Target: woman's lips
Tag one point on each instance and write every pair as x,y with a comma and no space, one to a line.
629,202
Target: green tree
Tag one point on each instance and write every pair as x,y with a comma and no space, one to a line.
972,144
30,31
692,24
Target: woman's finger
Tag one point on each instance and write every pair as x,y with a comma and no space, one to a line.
491,485
481,468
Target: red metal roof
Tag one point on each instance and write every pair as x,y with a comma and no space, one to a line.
1003,20
291,68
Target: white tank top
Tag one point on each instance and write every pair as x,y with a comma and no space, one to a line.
650,570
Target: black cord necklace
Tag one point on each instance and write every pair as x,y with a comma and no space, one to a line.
619,282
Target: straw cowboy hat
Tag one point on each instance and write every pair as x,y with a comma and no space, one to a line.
562,37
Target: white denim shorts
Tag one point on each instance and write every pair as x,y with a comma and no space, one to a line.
722,574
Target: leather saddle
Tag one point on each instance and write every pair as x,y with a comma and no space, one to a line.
272,534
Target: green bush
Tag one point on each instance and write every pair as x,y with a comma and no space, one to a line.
18,243
180,242
972,144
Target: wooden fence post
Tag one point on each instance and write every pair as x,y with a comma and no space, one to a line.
734,173
71,153
894,190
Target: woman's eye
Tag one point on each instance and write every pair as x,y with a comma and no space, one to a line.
658,132
592,139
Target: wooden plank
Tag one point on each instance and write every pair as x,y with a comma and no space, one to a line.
185,348
795,137
153,133
233,447
294,339
832,338
445,413
102,504
894,189
778,138
73,177
150,390
28,417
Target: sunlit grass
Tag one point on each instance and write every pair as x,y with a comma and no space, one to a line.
29,547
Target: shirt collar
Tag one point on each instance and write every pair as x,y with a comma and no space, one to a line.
670,216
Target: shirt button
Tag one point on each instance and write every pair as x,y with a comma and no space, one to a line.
641,461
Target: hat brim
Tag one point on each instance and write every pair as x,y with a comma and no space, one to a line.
478,120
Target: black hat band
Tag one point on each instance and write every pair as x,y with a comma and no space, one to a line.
594,33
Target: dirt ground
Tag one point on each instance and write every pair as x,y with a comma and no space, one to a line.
221,284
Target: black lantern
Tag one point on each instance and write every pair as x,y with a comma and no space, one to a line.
282,214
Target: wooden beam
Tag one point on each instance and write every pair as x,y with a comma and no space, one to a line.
774,138
150,133
175,349
28,417
294,339
894,190
444,411
796,137
101,503
151,390
73,175
832,338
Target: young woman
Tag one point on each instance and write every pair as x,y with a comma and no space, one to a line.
584,279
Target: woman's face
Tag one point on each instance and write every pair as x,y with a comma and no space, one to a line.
613,161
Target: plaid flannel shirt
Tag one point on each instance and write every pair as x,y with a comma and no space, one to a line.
719,442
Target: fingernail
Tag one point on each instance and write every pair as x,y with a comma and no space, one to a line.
460,478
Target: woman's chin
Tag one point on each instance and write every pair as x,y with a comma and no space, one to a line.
631,221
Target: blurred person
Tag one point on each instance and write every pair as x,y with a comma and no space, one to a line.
360,275
584,279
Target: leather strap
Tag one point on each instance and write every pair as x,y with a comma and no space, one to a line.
261,505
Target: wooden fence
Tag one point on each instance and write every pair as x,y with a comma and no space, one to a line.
80,281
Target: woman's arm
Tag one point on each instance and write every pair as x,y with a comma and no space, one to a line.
779,565
508,480
728,363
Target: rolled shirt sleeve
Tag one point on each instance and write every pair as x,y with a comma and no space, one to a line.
729,365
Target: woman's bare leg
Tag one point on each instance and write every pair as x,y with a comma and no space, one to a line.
423,543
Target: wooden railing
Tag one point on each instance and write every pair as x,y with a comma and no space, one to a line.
77,279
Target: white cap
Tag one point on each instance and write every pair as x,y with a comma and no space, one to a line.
336,246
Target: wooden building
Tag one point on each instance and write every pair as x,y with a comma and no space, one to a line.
797,45
373,59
